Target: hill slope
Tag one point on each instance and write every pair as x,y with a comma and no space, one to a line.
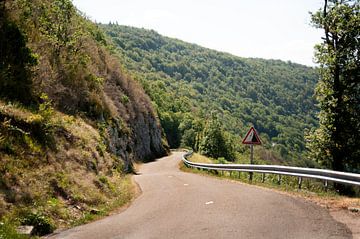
71,121
188,83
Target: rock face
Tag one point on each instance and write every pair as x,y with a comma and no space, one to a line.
142,143
147,138
135,133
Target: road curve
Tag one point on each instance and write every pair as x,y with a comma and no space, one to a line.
174,204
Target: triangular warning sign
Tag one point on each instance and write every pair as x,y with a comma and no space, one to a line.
251,137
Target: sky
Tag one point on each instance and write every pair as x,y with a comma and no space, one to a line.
270,29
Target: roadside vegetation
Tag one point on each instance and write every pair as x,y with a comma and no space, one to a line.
70,184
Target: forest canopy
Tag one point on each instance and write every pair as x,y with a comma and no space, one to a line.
189,83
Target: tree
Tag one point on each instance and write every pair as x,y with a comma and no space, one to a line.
336,142
170,122
57,24
214,142
15,62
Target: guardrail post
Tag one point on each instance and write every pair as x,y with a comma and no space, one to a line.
250,176
263,178
326,185
239,174
279,179
299,182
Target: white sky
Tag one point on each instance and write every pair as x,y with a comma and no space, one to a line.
270,29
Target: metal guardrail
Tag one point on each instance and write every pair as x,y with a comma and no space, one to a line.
323,174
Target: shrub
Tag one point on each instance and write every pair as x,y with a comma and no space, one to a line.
125,99
42,224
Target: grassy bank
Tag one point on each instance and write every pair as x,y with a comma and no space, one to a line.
58,213
55,171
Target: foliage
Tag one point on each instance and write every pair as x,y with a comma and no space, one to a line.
22,131
45,108
336,142
64,41
187,82
42,224
15,62
214,142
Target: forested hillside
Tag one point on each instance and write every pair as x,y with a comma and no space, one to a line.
71,121
195,88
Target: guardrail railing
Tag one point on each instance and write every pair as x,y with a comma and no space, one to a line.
323,174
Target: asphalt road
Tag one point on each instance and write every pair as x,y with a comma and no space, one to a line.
174,204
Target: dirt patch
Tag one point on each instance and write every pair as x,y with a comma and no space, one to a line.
343,209
350,219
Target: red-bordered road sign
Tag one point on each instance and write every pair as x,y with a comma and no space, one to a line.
251,137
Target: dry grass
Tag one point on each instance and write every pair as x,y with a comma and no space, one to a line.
334,202
14,110
69,182
198,158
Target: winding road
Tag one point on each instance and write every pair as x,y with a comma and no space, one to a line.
174,204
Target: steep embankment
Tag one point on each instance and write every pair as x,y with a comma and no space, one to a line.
71,121
188,83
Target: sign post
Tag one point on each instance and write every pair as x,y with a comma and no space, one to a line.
251,138
251,161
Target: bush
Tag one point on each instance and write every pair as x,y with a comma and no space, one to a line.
215,143
42,224
222,160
